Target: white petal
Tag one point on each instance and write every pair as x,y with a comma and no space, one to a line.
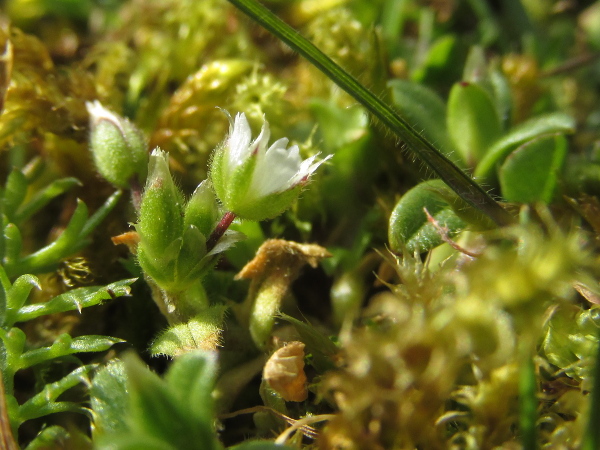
306,169
260,143
273,173
98,112
237,146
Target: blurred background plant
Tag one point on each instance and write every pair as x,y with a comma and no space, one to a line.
418,323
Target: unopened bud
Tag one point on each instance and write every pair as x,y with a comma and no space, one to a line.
118,147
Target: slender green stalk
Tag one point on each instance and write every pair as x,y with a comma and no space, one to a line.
591,440
460,182
528,403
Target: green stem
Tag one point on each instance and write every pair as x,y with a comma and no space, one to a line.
528,402
591,440
460,182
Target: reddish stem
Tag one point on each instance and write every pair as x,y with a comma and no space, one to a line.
136,193
219,230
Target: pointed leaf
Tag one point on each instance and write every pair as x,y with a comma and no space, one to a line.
44,403
65,345
76,299
192,377
14,192
43,197
110,399
68,242
317,344
158,412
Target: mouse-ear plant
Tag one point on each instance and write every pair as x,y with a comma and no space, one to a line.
179,240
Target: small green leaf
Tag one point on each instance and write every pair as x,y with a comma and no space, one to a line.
110,399
192,378
54,437
43,197
19,291
473,122
76,299
530,173
157,411
202,332
338,126
260,445
13,243
317,344
441,59
14,193
100,214
409,228
546,124
65,345
44,403
426,111
67,243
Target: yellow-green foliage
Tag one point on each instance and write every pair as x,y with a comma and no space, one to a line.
436,362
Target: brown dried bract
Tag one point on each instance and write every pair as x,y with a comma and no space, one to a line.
284,372
277,254
130,239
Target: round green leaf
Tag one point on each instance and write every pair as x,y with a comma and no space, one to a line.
409,228
473,122
530,173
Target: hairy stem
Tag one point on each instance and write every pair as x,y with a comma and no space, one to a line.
455,178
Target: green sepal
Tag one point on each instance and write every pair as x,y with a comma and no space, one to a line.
160,219
237,185
269,206
202,210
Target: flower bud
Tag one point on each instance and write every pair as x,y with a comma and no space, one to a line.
118,147
160,223
172,248
254,182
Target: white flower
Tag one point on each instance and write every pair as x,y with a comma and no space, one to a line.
246,173
277,168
